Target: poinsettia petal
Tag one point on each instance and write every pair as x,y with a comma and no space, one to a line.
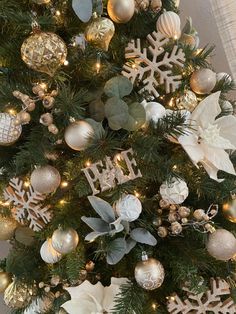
227,126
207,111
80,306
191,146
211,170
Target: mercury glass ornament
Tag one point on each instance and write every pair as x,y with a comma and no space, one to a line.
65,241
44,52
229,210
5,280
45,179
9,132
8,226
188,101
221,245
121,11
149,273
203,81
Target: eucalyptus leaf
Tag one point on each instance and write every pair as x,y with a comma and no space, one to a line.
103,209
83,9
118,86
94,235
24,235
137,117
130,244
96,109
97,127
116,250
141,235
97,224
117,113
188,26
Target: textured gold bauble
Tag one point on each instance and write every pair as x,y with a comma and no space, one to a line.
45,179
9,132
187,101
19,294
121,11
8,226
65,241
44,52
203,81
149,273
100,32
229,210
78,135
5,280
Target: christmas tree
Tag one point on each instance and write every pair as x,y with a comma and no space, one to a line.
117,144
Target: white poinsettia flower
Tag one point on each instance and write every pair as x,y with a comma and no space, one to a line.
210,136
93,299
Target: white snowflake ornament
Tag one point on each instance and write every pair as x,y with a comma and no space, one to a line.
153,65
175,192
27,204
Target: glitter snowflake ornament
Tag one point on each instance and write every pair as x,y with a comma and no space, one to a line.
27,204
153,65
211,301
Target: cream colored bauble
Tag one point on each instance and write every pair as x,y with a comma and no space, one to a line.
78,135
121,11
128,208
154,111
45,179
203,81
175,192
9,132
149,273
48,254
65,241
169,25
221,245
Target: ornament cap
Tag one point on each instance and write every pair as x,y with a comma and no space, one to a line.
144,256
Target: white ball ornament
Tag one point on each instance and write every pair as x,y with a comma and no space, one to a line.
169,25
154,111
65,241
121,11
221,245
175,192
9,131
203,81
128,208
78,135
45,179
48,254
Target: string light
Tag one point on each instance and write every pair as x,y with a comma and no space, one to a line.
64,184
62,202
137,194
98,63
154,306
12,111
58,13
88,164
171,102
175,167
66,63
118,158
26,184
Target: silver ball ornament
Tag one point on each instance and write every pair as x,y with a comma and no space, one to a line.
149,273
203,81
45,179
221,245
9,132
65,241
78,134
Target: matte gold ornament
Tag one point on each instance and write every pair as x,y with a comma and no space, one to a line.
19,294
121,11
9,132
65,241
149,273
78,135
229,210
44,52
45,179
203,81
221,245
8,226
169,25
100,32
5,280
187,101
48,254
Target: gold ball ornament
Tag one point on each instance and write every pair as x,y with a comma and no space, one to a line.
65,241
44,52
9,132
229,211
45,179
100,32
48,254
78,135
149,273
5,280
187,101
203,81
121,11
18,294
169,25
8,226
221,245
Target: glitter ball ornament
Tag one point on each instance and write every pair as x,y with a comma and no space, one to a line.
121,11
149,273
129,208
45,179
65,241
188,101
19,294
48,254
78,135
44,52
221,245
203,81
5,280
100,32
9,132
175,191
229,210
8,226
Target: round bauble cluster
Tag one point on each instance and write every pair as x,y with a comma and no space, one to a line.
45,179
129,208
203,81
175,192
